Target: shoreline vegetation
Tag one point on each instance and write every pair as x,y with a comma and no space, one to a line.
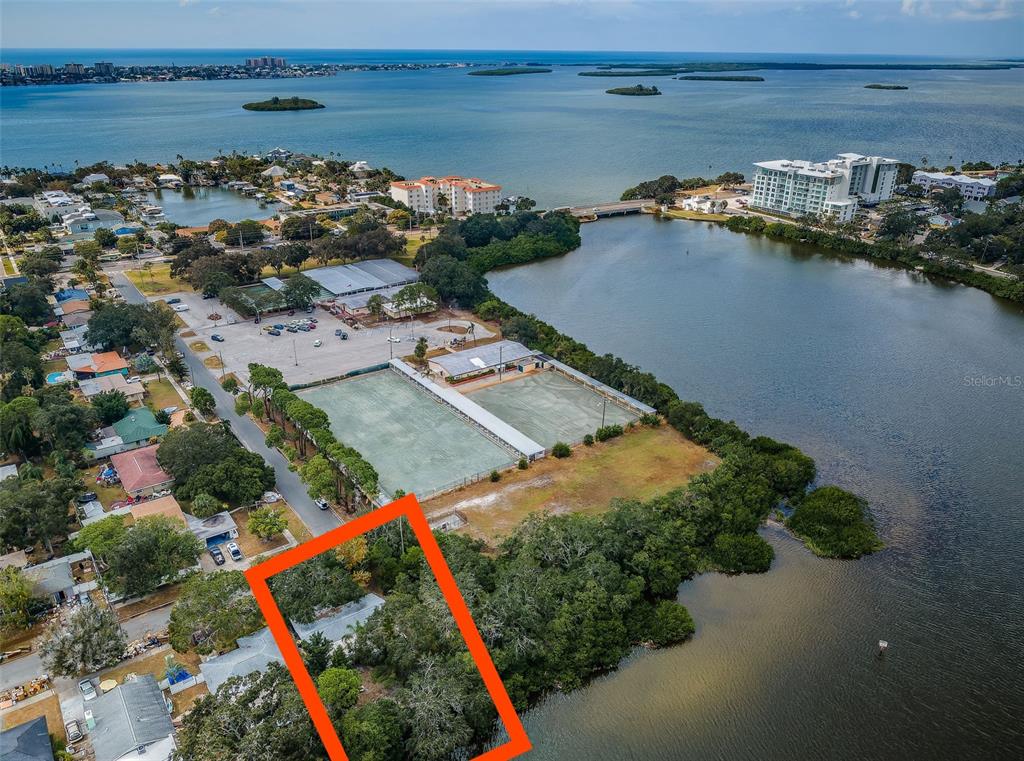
635,90
667,69
510,71
724,78
283,104
877,86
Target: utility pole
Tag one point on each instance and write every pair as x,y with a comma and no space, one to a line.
295,352
604,406
501,366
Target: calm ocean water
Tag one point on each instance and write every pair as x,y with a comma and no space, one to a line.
556,137
894,385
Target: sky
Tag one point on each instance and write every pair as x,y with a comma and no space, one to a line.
953,28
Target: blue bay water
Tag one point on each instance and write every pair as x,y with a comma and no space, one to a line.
555,137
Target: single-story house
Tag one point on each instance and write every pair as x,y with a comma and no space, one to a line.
71,306
16,559
139,425
216,529
274,172
943,221
421,305
92,179
71,294
132,721
133,392
254,653
482,359
166,506
340,626
8,471
54,579
74,339
97,365
27,742
76,320
139,471
169,181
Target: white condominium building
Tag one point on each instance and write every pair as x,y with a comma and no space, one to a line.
828,189
971,188
465,195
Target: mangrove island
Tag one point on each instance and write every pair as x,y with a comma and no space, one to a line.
510,71
635,90
885,87
283,104
723,78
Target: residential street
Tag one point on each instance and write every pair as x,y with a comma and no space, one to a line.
288,482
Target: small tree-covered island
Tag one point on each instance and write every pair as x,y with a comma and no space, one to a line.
283,104
885,87
510,71
635,90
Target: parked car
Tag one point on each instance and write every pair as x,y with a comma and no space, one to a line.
322,504
174,301
394,339
88,691
304,328
273,332
180,307
217,555
292,329
313,319
217,337
89,496
268,328
318,343
278,326
73,730
134,379
235,551
270,497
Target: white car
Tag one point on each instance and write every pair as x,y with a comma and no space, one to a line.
235,551
180,307
394,339
270,497
318,343
134,379
88,691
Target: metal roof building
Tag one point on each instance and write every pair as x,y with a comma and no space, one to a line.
480,358
371,275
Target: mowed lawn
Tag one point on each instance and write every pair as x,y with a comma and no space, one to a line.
160,394
157,281
642,464
48,707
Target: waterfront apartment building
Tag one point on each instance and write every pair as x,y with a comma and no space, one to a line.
828,189
971,188
464,195
266,62
103,69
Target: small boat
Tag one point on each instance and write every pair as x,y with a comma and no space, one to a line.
882,646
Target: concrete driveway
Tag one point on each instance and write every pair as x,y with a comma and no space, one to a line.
288,482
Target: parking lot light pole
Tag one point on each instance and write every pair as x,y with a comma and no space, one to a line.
604,406
295,353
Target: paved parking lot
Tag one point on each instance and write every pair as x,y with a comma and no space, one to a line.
295,353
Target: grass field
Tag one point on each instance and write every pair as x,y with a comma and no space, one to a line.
641,464
161,394
696,216
50,708
157,281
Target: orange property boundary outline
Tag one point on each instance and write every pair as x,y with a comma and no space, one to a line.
408,507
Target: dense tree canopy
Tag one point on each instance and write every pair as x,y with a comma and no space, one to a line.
212,612
834,523
151,552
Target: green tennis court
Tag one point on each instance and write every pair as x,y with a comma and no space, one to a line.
549,407
415,443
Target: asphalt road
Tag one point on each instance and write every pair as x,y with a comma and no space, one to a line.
288,483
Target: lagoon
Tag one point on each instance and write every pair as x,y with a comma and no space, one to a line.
192,207
905,390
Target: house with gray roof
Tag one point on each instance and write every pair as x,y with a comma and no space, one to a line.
26,742
339,626
254,653
132,721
